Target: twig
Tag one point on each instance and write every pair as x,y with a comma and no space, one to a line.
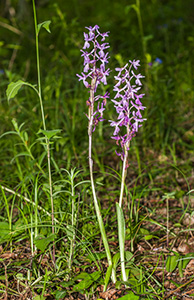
177,289
11,28
28,200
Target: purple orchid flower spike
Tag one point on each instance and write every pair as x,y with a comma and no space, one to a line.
96,58
128,106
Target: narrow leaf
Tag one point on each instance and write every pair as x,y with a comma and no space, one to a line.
46,25
115,259
186,259
121,223
107,277
180,267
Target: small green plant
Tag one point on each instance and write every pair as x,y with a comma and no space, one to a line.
12,91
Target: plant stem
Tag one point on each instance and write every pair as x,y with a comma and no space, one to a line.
44,127
120,223
138,11
73,222
124,173
98,213
167,222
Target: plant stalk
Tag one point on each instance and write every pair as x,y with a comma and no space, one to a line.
120,223
44,126
98,213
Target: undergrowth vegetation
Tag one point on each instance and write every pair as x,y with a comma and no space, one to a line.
70,229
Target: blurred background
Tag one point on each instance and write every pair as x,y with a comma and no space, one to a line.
160,33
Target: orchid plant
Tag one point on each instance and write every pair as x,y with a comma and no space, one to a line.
128,106
94,73
130,118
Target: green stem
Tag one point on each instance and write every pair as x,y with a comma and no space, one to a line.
140,23
167,222
124,173
138,11
98,213
120,223
38,65
73,220
44,126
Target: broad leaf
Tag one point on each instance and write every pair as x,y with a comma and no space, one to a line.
172,262
87,281
60,295
42,242
49,133
129,256
4,231
130,296
46,25
14,87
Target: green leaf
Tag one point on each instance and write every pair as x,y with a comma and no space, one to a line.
129,256
148,37
131,6
121,228
107,277
25,153
60,294
41,242
130,296
39,297
49,133
87,281
121,224
46,25
172,262
186,259
4,231
180,267
70,231
115,259
14,87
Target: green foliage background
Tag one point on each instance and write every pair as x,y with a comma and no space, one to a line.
168,35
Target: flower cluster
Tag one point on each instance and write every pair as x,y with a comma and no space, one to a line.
129,105
95,72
